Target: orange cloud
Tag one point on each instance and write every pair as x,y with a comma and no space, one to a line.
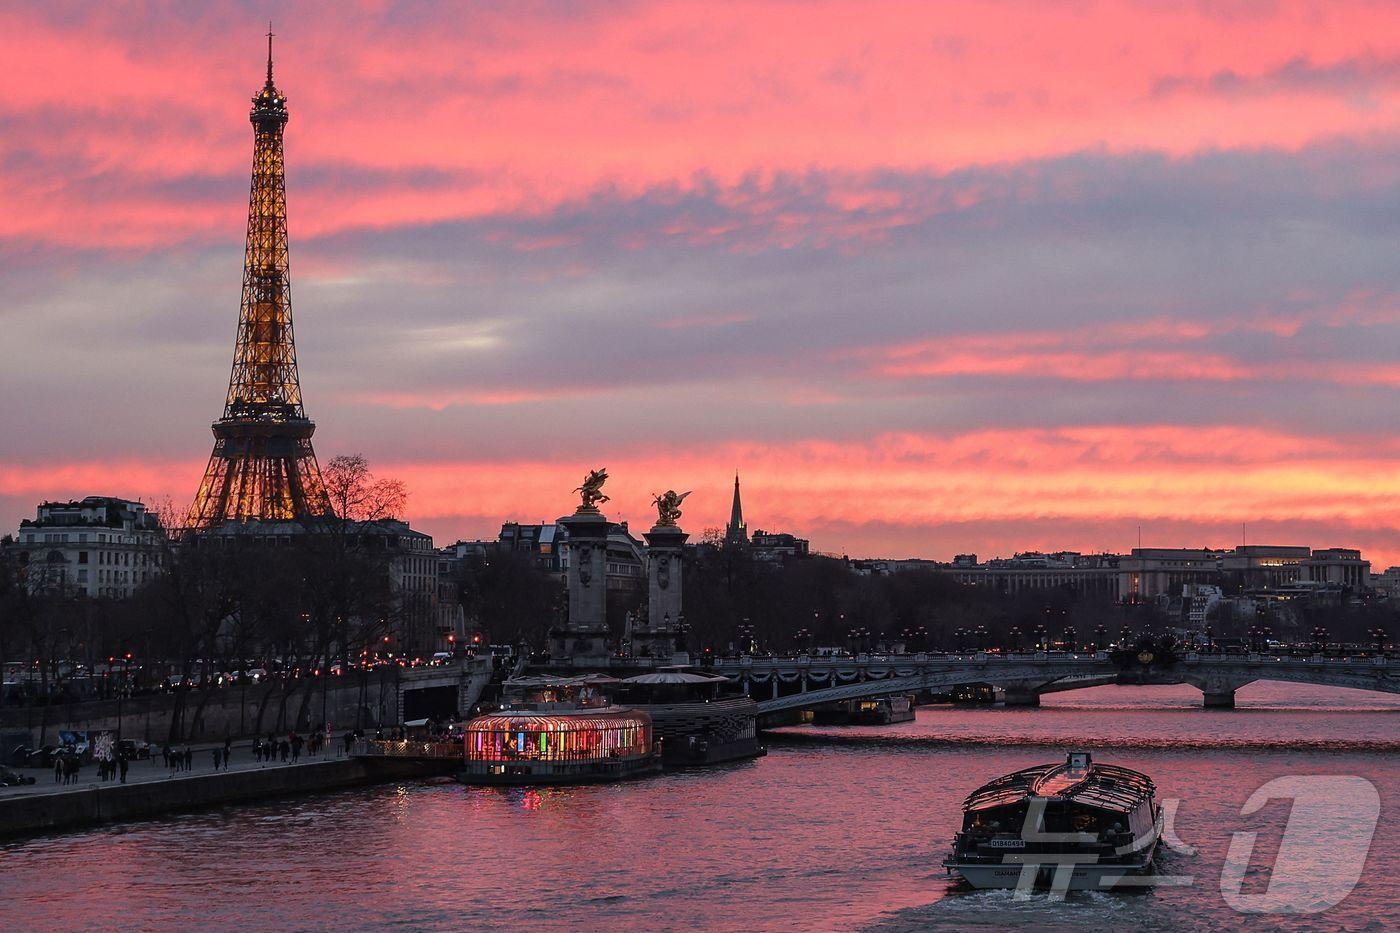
1038,480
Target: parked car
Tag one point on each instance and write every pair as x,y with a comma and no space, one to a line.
131,749
41,757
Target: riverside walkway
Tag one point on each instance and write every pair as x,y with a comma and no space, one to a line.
151,790
140,771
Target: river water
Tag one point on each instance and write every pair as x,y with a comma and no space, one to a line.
838,828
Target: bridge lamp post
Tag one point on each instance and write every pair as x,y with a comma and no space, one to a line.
1099,634
746,639
1379,637
1210,638
1015,638
1071,638
1042,638
110,662
982,637
1319,638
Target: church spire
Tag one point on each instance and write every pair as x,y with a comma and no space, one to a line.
736,533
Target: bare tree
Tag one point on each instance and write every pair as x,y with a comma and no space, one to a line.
357,495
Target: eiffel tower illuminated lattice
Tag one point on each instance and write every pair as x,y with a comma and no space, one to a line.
263,466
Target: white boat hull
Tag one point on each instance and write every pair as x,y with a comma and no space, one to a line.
1082,876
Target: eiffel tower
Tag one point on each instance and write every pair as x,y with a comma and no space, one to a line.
263,467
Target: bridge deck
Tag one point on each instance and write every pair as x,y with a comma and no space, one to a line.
802,682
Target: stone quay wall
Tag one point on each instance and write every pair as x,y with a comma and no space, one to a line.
105,803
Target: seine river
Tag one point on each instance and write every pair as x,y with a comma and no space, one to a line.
838,828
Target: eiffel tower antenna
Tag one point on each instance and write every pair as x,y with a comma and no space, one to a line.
263,466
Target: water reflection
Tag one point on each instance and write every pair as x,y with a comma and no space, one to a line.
820,834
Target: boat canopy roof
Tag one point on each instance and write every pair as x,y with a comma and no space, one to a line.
560,680
1102,787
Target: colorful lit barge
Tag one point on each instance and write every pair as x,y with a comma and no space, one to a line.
565,735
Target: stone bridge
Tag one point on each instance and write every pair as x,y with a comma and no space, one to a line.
439,690
787,684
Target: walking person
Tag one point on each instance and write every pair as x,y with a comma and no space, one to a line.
57,770
122,766
228,750
285,749
189,758
218,757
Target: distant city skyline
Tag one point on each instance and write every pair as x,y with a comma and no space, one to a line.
933,284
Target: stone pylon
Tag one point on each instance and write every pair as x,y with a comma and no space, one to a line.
662,636
583,639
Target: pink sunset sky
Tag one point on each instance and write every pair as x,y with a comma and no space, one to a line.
934,277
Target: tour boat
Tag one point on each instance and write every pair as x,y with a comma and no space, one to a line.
1074,826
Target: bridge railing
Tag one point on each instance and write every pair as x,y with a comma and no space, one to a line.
1353,661
739,665
882,661
407,748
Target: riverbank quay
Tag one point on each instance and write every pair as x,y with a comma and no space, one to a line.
51,807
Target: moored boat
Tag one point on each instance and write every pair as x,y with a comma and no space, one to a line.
559,730
1068,827
874,711
700,719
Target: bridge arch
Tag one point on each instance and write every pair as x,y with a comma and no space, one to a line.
785,685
